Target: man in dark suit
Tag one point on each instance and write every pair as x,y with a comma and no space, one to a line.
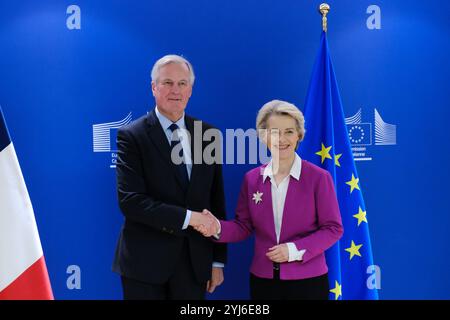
159,254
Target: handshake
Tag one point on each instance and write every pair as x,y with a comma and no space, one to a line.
205,223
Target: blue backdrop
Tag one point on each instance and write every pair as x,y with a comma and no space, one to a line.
67,66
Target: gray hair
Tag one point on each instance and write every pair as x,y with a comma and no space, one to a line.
172,58
279,107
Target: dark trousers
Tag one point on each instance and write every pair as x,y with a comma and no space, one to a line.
316,288
182,285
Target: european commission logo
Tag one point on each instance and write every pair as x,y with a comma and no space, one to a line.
361,134
104,137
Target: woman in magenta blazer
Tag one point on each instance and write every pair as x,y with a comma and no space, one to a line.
291,206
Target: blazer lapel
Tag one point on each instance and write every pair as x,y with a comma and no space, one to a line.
290,202
267,206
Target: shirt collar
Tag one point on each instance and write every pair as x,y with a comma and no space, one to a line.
295,172
165,122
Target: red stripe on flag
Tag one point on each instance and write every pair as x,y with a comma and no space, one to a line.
32,284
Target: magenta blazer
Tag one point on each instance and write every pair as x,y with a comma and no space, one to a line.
311,220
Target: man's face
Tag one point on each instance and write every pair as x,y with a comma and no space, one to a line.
172,90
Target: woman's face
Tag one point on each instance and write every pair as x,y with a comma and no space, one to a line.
282,136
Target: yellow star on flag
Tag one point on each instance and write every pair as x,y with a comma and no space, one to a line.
354,250
324,153
336,159
353,183
361,216
337,291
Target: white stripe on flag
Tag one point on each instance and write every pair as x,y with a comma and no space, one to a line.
20,245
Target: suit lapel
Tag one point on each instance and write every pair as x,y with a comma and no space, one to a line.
190,127
159,139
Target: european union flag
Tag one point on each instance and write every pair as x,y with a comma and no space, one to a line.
327,145
360,134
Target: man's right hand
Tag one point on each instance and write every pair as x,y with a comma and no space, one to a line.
205,223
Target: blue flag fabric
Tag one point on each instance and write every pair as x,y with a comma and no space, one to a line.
327,145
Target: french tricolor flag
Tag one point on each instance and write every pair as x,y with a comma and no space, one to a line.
23,273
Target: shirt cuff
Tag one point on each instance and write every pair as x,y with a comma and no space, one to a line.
218,264
187,219
294,254
217,235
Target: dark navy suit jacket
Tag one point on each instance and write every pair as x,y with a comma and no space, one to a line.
154,204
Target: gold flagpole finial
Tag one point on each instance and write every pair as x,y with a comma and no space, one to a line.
324,8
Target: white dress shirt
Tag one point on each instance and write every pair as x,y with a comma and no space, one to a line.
278,199
165,124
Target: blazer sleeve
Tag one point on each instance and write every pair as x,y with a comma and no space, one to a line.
241,227
134,201
330,227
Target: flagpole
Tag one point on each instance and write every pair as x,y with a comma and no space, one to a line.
324,8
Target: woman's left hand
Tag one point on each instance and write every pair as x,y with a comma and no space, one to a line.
279,253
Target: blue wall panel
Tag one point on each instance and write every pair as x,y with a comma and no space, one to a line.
56,83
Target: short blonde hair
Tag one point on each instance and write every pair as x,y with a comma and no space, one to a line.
279,107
